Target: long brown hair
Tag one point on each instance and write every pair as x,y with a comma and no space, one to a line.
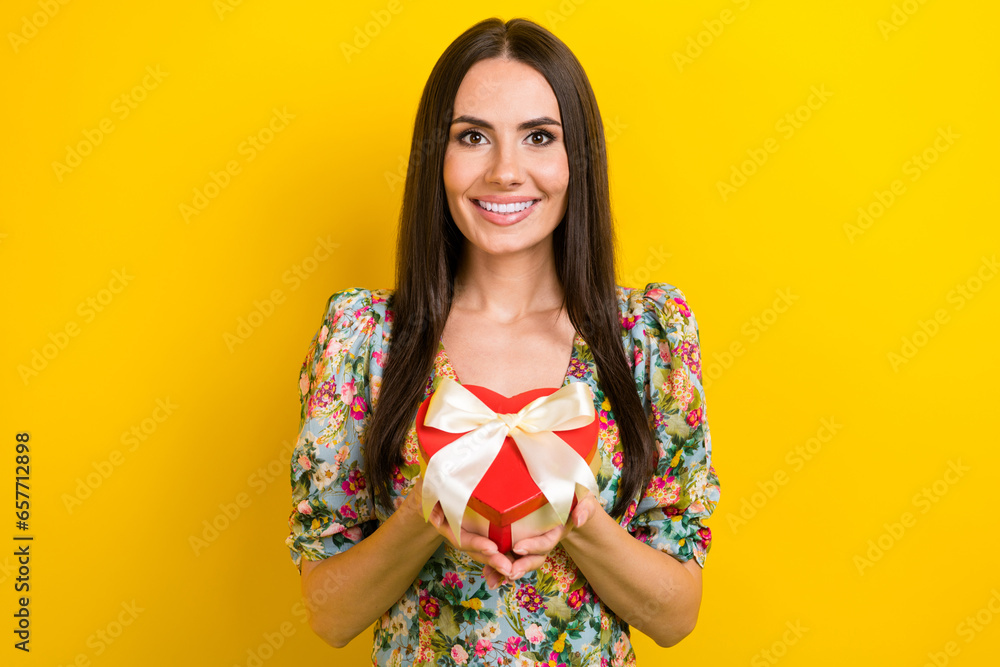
430,247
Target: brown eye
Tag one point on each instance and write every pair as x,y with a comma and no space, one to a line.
547,138
472,133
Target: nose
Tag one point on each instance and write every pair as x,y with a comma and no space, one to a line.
505,165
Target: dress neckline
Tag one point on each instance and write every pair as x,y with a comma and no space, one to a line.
577,341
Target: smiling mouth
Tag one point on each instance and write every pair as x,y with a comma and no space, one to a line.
515,207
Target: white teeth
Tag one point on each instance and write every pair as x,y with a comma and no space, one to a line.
506,208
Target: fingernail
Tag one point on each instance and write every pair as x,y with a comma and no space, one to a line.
490,551
520,551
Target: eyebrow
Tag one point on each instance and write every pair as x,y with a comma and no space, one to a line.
526,125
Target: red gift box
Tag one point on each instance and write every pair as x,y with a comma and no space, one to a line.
507,505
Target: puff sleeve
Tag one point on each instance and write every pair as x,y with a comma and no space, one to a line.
332,508
684,489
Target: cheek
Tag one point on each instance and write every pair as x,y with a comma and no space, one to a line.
456,183
450,174
553,176
459,170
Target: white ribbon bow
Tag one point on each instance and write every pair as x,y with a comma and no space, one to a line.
454,471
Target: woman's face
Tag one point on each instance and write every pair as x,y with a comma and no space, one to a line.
506,150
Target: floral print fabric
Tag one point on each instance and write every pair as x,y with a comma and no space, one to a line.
550,616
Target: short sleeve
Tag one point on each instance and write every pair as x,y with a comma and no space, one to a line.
684,490
332,508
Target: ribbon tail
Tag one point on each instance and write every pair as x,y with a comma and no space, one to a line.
436,490
556,468
455,471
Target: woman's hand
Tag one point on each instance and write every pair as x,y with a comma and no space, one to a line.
534,550
496,566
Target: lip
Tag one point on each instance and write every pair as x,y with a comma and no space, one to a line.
504,219
504,199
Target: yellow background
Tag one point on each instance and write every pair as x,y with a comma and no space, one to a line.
676,129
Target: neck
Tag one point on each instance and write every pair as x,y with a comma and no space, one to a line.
507,287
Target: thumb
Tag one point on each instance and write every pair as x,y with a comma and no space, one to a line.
583,512
437,515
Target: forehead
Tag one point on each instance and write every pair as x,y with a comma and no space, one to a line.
505,91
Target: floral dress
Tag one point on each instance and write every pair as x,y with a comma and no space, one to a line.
550,616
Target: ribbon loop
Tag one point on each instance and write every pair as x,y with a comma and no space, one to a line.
454,472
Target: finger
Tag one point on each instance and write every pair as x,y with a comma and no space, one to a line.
473,541
539,544
526,564
584,511
498,562
469,541
501,564
481,549
493,578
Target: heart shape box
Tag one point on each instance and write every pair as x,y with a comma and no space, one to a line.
507,505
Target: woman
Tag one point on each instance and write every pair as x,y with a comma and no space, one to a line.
501,300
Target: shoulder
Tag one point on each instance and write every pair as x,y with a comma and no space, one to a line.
357,310
659,295
342,307
656,309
